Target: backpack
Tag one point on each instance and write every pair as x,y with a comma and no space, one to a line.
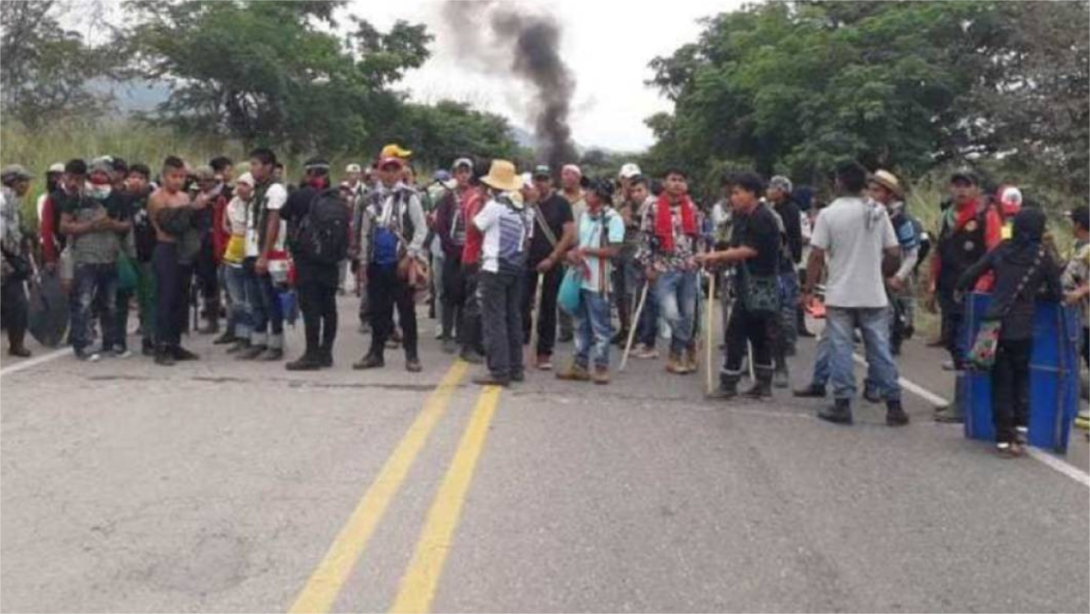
322,234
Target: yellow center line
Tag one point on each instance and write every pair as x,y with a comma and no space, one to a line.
325,583
418,585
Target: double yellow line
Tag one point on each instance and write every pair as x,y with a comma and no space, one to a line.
418,585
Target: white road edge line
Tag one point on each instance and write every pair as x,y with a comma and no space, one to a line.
33,362
1045,457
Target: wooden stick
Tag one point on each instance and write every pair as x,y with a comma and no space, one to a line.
709,336
634,325
535,317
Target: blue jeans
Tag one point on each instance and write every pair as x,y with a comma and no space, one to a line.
648,326
267,314
240,317
593,330
94,285
874,324
676,294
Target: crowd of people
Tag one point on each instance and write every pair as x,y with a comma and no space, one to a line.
508,259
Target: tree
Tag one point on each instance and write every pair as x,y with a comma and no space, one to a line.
448,130
266,72
46,68
792,86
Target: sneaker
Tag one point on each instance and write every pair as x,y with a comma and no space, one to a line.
871,395
180,353
950,415
412,365
164,358
120,353
725,393
326,359
450,346
19,352
240,345
251,353
544,362
600,376
780,379
574,373
646,352
471,357
813,391
225,338
895,414
305,362
518,376
759,390
689,361
86,356
1008,449
840,412
370,361
490,379
273,355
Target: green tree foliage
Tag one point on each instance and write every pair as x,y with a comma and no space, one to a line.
273,72
45,68
791,86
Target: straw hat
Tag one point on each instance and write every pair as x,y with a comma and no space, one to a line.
888,181
502,176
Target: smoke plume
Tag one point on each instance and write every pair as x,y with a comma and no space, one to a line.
497,37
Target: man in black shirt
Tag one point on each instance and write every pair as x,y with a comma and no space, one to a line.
316,282
554,232
783,203
754,251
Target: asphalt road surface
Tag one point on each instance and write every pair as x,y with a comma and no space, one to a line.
232,486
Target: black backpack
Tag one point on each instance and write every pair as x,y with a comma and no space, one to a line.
322,234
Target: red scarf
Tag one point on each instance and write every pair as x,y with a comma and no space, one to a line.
664,223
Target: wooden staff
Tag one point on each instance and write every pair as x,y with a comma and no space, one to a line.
535,317
709,336
634,325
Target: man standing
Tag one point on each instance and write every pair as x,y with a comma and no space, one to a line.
91,220
886,190
754,250
571,187
264,239
855,241
783,203
137,189
470,326
647,328
506,226
601,231
393,229
624,271
553,234
171,212
667,253
318,221
14,266
450,229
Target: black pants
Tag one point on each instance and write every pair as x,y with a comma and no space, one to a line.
385,292
318,302
621,290
173,282
121,324
501,298
952,316
454,295
208,279
1010,387
546,323
13,311
744,328
469,331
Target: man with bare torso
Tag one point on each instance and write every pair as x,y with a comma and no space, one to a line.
171,211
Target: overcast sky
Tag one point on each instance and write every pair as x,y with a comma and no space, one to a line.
607,45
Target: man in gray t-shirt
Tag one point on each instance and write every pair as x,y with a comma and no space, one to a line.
853,238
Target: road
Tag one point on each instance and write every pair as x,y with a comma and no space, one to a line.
229,486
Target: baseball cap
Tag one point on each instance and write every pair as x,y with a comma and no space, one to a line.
442,175
101,165
316,164
629,170
12,172
462,162
542,170
56,167
965,174
780,183
352,168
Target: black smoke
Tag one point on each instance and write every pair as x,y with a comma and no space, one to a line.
527,46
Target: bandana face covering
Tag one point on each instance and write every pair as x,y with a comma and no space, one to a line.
98,191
